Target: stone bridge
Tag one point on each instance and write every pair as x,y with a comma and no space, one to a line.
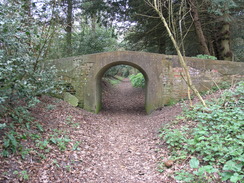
163,75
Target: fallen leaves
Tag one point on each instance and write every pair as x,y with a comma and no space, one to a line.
117,145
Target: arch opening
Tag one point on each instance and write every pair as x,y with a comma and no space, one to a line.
100,75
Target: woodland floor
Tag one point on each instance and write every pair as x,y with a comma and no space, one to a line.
120,144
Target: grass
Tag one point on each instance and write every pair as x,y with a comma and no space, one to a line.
115,80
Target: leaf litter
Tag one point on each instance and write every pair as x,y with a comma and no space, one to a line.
120,144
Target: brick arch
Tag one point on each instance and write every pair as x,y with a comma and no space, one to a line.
105,68
140,61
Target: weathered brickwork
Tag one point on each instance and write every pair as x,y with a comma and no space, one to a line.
163,73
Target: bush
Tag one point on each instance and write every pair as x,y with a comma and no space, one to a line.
214,137
22,78
206,57
137,80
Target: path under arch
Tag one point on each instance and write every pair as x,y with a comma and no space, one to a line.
123,99
150,70
125,148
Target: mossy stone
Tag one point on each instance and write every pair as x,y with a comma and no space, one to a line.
71,99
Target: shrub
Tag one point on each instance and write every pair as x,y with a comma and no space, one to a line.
137,80
22,79
21,76
206,57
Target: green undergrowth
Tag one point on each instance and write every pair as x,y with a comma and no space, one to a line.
25,136
26,139
211,138
221,86
120,78
206,57
138,80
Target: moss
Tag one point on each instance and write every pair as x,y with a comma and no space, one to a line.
149,108
98,107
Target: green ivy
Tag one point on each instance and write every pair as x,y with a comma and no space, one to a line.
214,136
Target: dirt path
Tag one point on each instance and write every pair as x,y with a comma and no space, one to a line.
126,139
120,144
126,147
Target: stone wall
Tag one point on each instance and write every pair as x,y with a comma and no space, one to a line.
163,74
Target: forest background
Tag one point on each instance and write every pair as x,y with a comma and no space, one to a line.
53,28
32,31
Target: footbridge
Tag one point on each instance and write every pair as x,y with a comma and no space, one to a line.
163,75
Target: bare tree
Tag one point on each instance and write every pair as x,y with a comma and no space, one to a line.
158,5
69,26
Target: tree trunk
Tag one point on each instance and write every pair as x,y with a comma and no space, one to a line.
69,27
161,45
198,27
93,22
211,47
224,38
